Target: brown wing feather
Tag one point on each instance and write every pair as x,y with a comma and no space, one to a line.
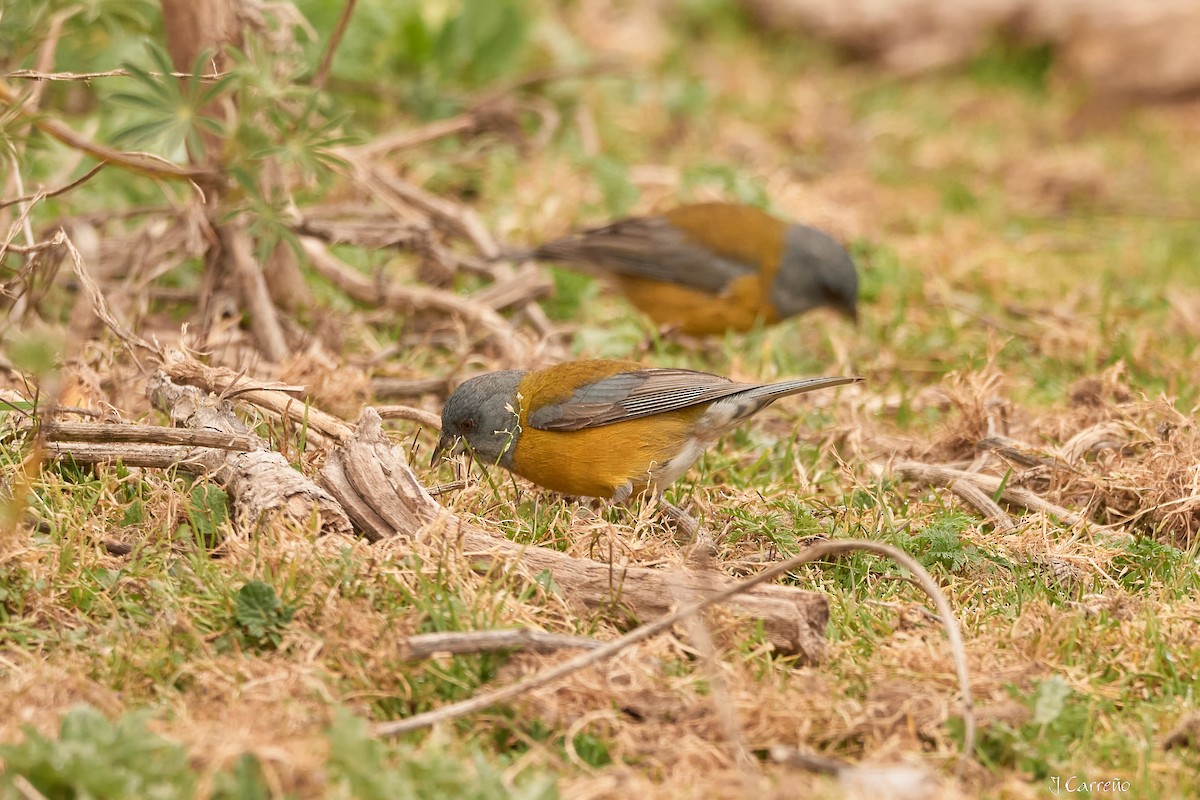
648,247
632,395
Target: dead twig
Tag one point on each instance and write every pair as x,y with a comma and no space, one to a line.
252,285
988,485
195,460
363,289
148,434
458,643
408,387
142,163
331,47
87,176
416,415
37,75
273,397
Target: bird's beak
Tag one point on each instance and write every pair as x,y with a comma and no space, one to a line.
445,442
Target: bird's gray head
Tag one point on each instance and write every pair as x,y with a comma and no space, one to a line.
482,412
816,271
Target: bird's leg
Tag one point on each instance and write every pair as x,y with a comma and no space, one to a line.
693,532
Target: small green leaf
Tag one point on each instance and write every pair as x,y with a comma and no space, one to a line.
1051,700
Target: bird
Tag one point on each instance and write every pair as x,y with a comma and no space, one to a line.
599,427
706,268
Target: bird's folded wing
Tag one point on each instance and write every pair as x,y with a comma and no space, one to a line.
632,395
648,247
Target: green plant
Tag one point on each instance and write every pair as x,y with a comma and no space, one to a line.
261,616
97,758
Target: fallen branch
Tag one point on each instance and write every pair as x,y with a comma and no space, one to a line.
255,296
459,643
149,434
990,485
410,298
261,483
408,387
416,415
194,460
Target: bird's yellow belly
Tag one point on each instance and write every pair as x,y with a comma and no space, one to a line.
596,462
697,313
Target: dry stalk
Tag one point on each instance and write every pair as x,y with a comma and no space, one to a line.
142,163
989,485
334,40
459,643
147,434
252,287
410,298
410,414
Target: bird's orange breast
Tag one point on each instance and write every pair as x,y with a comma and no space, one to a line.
594,462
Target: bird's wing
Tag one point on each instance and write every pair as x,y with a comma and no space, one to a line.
632,395
648,247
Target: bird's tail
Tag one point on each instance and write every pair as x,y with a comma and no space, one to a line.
516,254
774,391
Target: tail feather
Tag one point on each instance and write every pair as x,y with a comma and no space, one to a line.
774,391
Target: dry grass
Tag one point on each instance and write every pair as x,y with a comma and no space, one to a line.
1020,279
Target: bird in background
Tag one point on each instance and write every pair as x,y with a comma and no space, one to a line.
602,428
711,267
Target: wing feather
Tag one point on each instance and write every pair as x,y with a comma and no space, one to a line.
632,395
648,247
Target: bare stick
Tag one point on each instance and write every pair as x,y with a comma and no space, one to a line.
36,75
226,382
56,192
363,289
411,414
143,163
331,47
196,460
264,317
401,140
148,434
812,553
407,387
947,476
100,306
427,645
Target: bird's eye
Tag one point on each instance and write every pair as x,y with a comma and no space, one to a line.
466,425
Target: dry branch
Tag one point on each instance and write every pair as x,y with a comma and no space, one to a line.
273,397
427,645
195,460
103,433
143,163
411,298
411,414
256,298
261,483
953,479
408,387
